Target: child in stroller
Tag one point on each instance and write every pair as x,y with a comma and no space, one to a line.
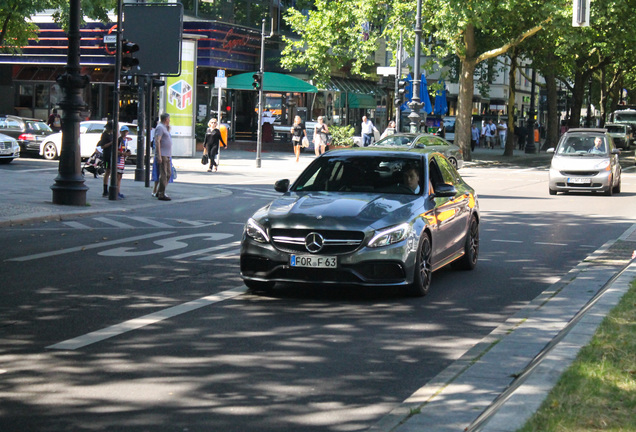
94,164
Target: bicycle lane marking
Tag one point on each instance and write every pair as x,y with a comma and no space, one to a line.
146,320
89,246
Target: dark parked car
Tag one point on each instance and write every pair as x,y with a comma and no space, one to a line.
28,131
366,218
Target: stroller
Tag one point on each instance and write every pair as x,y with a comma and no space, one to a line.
94,164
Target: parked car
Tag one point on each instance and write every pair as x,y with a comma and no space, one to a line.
9,149
621,133
365,218
580,165
29,132
90,132
423,141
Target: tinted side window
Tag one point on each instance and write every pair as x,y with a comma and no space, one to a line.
449,174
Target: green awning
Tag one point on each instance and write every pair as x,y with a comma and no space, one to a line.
272,82
357,100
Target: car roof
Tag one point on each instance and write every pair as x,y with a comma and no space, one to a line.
20,118
587,130
381,151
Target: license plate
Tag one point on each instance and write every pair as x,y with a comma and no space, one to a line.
579,180
6,151
313,261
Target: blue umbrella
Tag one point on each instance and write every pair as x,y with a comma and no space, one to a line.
424,97
441,106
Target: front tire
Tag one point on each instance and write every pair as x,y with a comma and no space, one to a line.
471,248
50,151
423,269
552,191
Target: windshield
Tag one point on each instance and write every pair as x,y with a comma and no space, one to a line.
394,141
583,145
625,117
616,129
374,174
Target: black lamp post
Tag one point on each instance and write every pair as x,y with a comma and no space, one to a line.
416,105
69,187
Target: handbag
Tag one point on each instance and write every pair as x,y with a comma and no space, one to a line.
328,138
305,143
173,174
295,138
204,159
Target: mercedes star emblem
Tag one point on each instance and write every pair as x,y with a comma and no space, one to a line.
314,242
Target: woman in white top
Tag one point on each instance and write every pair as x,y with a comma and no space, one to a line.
320,136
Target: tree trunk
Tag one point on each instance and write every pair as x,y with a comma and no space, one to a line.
554,123
465,97
578,93
510,136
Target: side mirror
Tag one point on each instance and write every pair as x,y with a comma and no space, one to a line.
282,186
445,190
616,151
550,150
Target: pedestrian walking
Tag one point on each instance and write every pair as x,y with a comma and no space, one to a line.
367,131
489,132
106,143
213,140
55,121
122,155
474,136
320,136
163,153
390,130
502,130
298,132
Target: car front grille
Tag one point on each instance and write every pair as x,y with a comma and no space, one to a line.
335,242
579,173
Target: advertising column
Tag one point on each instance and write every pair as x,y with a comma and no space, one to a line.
179,102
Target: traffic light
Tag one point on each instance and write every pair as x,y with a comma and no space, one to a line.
401,91
258,81
127,59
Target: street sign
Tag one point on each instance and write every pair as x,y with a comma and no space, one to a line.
386,70
220,82
220,73
110,39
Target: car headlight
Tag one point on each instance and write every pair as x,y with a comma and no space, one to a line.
256,231
603,166
390,235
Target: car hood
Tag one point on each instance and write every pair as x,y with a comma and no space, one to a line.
579,163
336,209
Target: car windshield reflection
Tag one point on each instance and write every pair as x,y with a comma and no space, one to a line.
391,175
583,146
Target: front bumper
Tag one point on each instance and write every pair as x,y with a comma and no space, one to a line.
387,266
588,181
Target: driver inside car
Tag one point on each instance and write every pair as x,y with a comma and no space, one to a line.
411,179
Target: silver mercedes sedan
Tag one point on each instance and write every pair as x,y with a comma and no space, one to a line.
367,218
427,142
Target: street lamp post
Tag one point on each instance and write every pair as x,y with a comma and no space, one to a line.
416,105
259,134
69,187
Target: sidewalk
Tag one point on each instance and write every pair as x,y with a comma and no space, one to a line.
494,387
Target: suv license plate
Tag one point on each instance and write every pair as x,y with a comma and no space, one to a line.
579,180
313,261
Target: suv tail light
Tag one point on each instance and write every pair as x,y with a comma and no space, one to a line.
26,137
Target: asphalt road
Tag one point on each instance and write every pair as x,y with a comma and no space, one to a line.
139,321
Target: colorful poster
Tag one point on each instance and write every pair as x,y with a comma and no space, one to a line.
179,101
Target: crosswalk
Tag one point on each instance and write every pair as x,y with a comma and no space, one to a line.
117,221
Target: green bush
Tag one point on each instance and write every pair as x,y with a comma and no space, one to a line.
342,135
199,131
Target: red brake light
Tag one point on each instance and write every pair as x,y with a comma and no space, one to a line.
26,137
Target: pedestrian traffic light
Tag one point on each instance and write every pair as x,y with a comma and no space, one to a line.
258,81
401,91
127,59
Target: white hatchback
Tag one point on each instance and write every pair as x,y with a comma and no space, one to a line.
90,132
